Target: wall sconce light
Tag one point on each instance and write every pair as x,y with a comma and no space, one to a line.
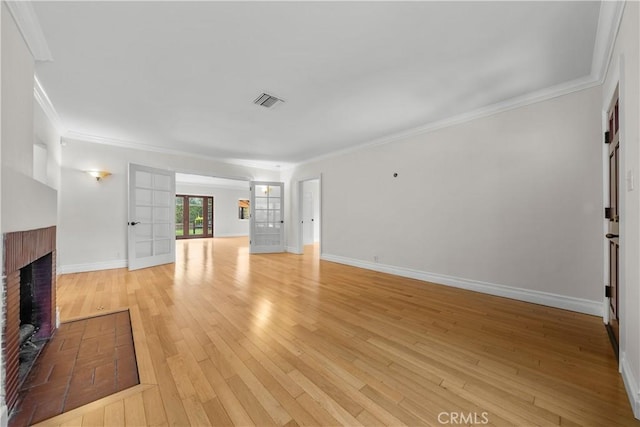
98,175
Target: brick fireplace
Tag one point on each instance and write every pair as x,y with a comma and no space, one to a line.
30,256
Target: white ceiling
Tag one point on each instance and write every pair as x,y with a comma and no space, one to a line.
183,75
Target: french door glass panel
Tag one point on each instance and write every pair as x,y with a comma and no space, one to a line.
195,216
180,216
210,216
151,216
267,222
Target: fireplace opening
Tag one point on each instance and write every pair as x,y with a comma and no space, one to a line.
35,312
22,248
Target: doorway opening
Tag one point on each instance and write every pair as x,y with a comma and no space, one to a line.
310,226
207,206
194,216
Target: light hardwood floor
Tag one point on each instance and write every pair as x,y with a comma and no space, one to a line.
226,338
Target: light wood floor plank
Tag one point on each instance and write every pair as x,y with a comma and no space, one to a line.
216,413
134,411
227,338
153,408
74,422
114,414
94,418
325,400
316,410
228,399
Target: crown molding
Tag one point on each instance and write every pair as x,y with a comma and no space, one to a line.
27,21
609,20
41,97
95,139
261,164
608,25
490,110
521,101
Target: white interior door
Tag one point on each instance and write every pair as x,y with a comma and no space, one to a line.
307,218
267,217
152,195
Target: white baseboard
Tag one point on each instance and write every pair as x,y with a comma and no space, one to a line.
293,250
630,384
92,266
537,297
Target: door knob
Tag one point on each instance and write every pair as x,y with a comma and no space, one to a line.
611,236
133,223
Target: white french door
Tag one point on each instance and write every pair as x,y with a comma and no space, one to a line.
151,225
267,217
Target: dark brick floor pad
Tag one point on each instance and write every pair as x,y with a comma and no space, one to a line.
86,360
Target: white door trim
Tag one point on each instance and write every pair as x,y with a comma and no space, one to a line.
300,197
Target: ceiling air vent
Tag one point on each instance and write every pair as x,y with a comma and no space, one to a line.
267,100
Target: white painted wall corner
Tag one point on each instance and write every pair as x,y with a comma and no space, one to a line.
544,298
4,415
630,384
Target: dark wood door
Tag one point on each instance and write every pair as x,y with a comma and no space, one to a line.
613,215
194,216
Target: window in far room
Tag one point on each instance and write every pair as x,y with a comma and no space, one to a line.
194,216
243,209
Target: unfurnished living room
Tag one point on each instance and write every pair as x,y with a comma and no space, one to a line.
320,213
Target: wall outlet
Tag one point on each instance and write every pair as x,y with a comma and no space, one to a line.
631,185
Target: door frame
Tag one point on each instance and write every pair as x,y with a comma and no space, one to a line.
205,208
605,221
617,84
132,220
613,171
300,197
245,179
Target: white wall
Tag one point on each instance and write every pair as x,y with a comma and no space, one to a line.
225,207
509,204
47,138
624,68
93,216
28,204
